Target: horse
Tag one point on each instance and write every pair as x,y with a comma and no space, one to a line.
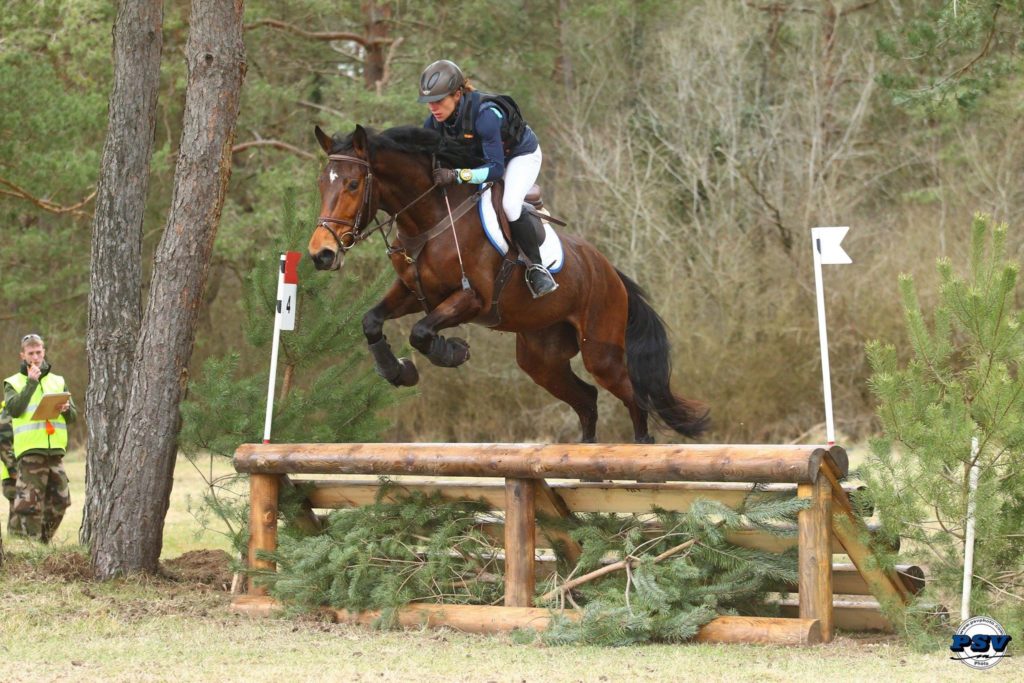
447,270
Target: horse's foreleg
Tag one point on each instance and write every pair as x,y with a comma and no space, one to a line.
458,308
398,301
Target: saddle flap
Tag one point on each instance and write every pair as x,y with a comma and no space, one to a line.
534,197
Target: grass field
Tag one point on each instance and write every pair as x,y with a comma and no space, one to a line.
59,625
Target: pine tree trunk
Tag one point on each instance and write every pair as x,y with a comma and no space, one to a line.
377,16
115,310
128,535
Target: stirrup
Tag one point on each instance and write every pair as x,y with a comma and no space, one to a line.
539,281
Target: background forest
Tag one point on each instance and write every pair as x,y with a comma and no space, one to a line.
695,143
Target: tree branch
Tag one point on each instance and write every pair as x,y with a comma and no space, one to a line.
314,105
277,144
317,35
856,8
46,204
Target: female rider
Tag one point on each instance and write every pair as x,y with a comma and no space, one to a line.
508,146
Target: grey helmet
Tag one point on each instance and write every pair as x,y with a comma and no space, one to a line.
439,80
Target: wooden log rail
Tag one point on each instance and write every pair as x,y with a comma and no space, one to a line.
669,462
525,467
615,497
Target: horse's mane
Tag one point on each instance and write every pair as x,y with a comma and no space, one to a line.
415,140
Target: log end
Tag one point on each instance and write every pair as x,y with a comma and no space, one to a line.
841,460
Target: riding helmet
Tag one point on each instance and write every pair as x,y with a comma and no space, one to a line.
439,80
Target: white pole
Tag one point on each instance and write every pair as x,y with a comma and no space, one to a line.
965,600
273,352
826,378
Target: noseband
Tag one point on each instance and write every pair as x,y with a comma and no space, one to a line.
356,235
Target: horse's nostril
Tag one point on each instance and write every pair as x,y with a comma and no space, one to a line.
324,258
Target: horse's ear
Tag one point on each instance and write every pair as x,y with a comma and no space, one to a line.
325,140
359,141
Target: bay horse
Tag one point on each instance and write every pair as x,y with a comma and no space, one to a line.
450,274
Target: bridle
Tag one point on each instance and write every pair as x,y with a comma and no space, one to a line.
359,232
356,235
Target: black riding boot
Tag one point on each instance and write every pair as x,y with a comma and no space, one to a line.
524,232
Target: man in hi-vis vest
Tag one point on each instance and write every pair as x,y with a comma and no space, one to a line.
41,493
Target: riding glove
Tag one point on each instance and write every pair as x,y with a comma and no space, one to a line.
445,176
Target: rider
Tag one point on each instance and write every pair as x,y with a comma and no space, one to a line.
507,144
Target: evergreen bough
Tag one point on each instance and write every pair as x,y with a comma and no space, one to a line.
425,548
962,380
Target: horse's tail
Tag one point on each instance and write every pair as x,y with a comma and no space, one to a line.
649,364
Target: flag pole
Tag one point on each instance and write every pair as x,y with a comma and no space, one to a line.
284,319
826,247
965,597
273,353
826,377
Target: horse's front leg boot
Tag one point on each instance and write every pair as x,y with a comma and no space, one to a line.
385,363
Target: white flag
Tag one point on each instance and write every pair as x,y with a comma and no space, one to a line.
827,242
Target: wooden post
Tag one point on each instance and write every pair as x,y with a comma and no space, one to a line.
520,541
263,492
815,554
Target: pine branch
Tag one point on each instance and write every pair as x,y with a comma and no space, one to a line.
611,568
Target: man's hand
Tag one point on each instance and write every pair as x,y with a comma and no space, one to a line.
65,407
444,176
34,372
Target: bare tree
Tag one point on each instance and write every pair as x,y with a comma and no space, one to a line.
116,269
127,534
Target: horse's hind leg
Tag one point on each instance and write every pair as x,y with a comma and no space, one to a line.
544,356
604,356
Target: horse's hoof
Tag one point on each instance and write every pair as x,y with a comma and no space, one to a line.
647,438
408,375
458,351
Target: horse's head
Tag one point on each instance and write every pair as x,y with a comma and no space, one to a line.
347,200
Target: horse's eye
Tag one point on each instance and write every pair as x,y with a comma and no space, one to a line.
353,185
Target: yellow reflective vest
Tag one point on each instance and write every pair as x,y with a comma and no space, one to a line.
32,434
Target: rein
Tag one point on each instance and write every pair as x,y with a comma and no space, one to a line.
357,234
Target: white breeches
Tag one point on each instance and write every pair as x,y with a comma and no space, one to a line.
520,175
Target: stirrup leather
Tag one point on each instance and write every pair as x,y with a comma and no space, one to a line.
539,281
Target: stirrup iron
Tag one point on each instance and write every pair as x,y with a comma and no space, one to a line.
539,281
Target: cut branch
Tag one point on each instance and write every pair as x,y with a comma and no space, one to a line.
608,569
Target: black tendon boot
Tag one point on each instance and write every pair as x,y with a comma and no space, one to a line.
524,232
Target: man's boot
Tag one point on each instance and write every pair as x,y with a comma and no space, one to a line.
524,232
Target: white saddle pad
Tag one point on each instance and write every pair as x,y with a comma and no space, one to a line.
551,253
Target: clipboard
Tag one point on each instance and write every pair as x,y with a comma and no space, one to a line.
49,406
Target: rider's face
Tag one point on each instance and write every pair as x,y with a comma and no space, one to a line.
442,109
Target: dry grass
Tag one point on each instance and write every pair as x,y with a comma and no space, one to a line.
156,630
60,625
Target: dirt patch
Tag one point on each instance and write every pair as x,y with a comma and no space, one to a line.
67,567
204,567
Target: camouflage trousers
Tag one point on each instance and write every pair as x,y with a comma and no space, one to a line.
7,457
41,497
